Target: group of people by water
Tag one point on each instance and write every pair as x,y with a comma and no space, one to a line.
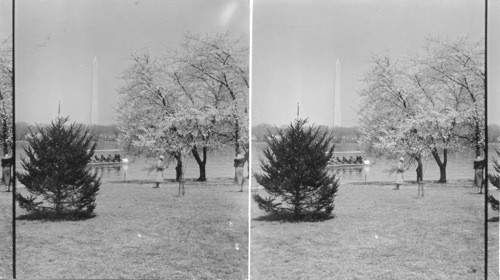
109,158
160,166
239,163
344,160
240,160
478,165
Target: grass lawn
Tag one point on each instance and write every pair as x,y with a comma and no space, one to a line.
493,236
141,232
378,233
5,233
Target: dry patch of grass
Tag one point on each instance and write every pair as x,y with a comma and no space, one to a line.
378,233
5,233
141,232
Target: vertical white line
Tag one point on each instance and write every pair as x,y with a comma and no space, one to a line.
250,137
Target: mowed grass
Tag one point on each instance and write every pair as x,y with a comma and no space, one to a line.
377,233
141,232
5,233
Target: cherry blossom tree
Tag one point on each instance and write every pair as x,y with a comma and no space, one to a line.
456,67
6,82
430,103
190,99
449,76
393,131
218,67
149,106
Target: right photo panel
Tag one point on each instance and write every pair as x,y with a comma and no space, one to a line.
493,137
368,141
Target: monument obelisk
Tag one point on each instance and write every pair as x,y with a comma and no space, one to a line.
94,98
337,121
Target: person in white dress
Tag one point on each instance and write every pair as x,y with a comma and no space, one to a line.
159,172
239,163
399,173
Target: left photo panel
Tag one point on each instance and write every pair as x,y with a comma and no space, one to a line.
6,140
132,139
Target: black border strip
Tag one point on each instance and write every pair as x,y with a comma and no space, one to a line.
14,146
486,204
14,141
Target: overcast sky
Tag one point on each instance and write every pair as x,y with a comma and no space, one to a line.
56,41
494,62
5,19
296,45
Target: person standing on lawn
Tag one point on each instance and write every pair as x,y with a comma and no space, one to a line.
239,163
159,172
7,170
399,174
420,180
478,166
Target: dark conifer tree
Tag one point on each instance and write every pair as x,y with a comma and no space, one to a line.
56,172
295,172
495,180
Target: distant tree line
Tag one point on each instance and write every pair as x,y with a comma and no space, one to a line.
493,133
101,132
340,134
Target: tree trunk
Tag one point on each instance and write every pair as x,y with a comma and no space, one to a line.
477,138
178,168
441,164
201,162
297,207
5,136
236,135
58,202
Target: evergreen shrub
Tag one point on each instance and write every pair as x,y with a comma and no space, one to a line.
295,173
56,172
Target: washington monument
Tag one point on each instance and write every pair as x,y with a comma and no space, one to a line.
94,98
337,121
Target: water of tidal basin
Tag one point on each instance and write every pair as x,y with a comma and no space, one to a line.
219,165
459,166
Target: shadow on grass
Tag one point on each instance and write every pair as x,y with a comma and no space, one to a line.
52,216
291,218
428,183
143,182
388,183
493,220
209,181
